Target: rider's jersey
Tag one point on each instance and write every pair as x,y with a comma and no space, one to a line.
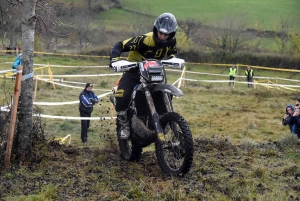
144,47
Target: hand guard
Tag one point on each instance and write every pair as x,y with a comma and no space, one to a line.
174,62
123,65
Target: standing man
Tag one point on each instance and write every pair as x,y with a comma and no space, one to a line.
249,73
232,74
87,99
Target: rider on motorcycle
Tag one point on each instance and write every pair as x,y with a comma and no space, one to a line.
159,43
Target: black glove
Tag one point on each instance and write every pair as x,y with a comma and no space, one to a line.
112,61
93,101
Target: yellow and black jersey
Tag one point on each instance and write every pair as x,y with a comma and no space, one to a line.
144,47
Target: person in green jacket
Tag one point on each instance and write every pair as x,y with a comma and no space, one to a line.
249,73
232,74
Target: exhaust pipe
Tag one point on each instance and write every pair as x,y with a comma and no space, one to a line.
141,130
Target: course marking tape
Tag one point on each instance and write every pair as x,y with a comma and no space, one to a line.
25,77
5,71
94,75
65,85
66,117
74,118
63,66
220,81
66,103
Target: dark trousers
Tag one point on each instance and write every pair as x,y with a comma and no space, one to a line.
231,78
124,91
250,81
85,124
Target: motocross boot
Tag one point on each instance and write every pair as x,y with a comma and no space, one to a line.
124,123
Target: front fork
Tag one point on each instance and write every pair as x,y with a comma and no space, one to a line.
154,114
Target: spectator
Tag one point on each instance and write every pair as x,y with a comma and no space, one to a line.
232,74
292,119
249,73
87,99
296,125
288,117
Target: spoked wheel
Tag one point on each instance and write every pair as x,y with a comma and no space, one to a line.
175,149
129,151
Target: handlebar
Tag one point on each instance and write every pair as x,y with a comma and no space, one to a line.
124,65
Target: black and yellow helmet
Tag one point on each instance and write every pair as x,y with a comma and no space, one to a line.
167,24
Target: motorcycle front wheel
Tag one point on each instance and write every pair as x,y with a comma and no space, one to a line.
175,148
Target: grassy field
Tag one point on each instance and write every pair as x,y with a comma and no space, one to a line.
268,13
242,151
209,107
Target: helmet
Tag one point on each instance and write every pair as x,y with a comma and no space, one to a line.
165,23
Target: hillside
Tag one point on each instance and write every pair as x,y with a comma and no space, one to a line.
266,13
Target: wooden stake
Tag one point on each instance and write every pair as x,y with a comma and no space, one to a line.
13,116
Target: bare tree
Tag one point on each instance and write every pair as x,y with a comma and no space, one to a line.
141,22
295,43
227,36
46,19
190,27
9,22
83,30
25,114
283,28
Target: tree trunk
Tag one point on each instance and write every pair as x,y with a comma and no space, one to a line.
24,140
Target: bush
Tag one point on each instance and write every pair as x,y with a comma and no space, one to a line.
269,60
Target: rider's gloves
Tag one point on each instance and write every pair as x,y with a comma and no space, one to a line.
112,61
123,65
174,62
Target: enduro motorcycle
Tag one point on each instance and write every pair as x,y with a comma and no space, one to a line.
152,119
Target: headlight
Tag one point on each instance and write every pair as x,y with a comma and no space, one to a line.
157,78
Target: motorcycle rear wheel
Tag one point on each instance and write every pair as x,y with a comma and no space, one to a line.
175,149
130,151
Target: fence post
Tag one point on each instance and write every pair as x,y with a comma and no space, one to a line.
35,88
13,116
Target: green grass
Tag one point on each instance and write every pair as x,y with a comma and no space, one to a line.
242,151
209,108
266,12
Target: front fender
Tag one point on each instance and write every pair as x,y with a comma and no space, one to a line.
170,89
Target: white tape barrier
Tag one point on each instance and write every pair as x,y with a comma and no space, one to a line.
66,117
222,81
66,103
45,65
65,85
5,71
75,118
113,74
62,66
243,76
5,109
94,75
